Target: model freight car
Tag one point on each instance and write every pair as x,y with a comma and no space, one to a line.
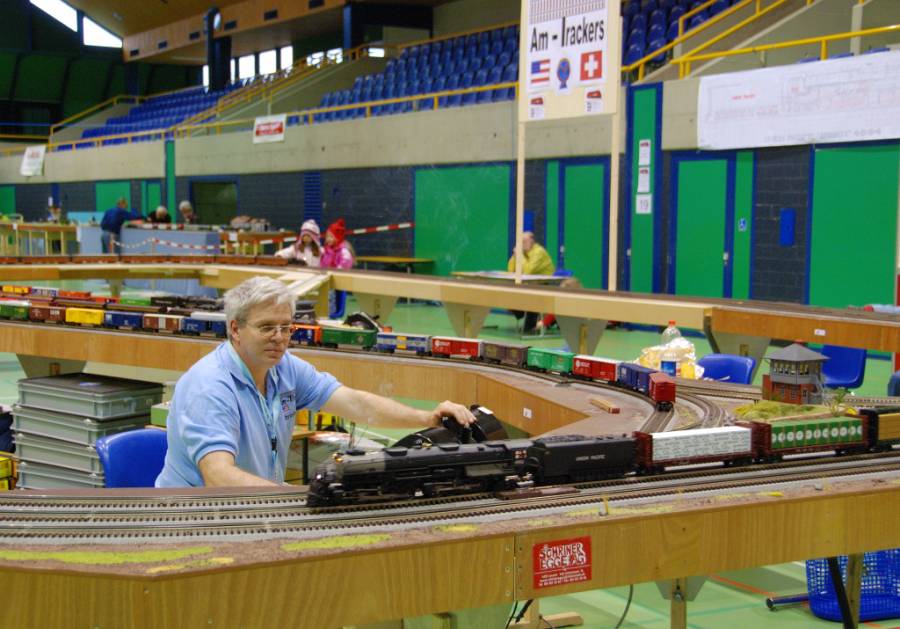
454,346
662,390
304,334
595,368
656,451
391,342
553,360
573,458
204,324
84,316
16,309
163,322
511,354
798,436
336,336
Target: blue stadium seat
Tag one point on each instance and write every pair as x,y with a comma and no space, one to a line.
466,79
632,8
484,38
483,51
696,21
728,368
672,33
845,367
637,37
658,17
638,22
496,47
453,100
872,51
655,45
657,31
648,5
489,62
841,55
634,54
807,60
511,46
496,34
133,458
462,66
475,64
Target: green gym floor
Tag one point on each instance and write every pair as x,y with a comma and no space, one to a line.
735,600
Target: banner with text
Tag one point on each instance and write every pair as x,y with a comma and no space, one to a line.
33,161
269,128
569,63
837,100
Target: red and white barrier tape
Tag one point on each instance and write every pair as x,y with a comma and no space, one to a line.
167,243
381,228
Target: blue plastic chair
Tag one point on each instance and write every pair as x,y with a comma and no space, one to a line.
728,368
845,367
337,303
133,458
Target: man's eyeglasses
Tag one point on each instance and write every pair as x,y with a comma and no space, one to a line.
271,330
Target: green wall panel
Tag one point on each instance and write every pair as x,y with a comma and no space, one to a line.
743,233
552,220
642,231
701,206
7,199
853,246
108,192
40,78
7,68
585,233
462,217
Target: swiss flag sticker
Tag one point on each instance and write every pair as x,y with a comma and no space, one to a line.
592,65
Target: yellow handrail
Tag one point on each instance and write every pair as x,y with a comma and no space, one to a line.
109,102
641,63
368,105
22,136
685,61
471,31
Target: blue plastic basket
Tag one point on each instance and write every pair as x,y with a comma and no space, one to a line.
880,597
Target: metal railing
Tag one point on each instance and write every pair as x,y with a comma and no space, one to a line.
110,102
684,62
641,64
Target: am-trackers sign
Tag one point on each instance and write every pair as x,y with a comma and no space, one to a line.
568,69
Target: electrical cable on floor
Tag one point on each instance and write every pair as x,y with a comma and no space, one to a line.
524,609
512,615
627,605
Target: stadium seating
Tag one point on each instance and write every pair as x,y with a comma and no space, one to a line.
158,112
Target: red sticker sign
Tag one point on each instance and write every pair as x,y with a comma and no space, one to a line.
561,562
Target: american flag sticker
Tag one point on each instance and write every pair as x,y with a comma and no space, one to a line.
540,72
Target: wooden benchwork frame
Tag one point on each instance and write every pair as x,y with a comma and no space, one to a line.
435,574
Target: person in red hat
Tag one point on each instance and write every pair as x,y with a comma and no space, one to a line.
337,253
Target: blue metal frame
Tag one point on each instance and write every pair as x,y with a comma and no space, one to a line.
628,174
678,158
561,206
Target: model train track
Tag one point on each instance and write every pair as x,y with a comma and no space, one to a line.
262,522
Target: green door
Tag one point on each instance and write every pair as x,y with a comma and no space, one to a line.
585,224
698,232
151,197
7,199
108,192
462,217
853,248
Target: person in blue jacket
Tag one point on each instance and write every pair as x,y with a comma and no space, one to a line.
232,413
111,224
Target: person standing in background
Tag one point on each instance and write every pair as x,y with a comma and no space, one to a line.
159,215
307,249
338,254
113,220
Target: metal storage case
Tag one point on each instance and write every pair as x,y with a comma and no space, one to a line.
98,397
76,429
39,476
45,451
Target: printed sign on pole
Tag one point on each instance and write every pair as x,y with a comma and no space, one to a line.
569,52
33,161
269,128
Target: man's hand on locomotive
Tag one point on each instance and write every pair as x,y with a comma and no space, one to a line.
460,413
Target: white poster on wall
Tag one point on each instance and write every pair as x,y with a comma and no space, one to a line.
269,128
566,48
33,161
837,100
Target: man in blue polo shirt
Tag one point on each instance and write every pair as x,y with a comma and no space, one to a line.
232,415
111,225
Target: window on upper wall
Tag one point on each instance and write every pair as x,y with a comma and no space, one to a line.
376,52
206,76
315,58
287,57
267,63
246,67
59,10
233,69
335,54
96,35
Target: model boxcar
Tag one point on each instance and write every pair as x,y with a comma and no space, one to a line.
555,360
14,309
346,335
395,341
119,319
731,444
15,290
304,334
47,313
595,368
454,346
662,390
511,354
44,291
84,316
163,322
204,323
634,376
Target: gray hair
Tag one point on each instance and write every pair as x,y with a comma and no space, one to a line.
185,204
241,299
